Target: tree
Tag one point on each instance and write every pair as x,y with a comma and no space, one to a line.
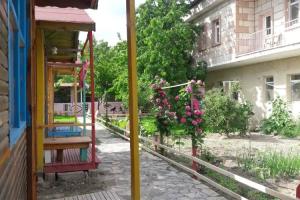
165,40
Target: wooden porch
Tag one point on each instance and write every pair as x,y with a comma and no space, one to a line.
102,195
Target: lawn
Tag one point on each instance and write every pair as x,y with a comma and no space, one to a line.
64,119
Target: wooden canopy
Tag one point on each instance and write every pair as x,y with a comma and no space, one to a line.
61,31
82,4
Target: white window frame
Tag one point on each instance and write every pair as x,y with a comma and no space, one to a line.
292,82
216,31
291,21
269,83
229,91
268,31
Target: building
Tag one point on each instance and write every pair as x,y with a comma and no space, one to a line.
19,92
254,43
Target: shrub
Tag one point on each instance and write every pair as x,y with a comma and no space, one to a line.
280,122
224,114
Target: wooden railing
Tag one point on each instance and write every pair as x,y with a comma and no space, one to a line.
266,190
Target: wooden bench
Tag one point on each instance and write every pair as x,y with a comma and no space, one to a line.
60,144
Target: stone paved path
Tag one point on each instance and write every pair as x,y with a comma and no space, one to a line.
159,180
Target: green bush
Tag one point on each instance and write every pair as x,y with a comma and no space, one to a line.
280,122
223,114
148,125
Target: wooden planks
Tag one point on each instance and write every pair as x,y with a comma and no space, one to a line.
3,103
13,171
67,143
101,195
3,87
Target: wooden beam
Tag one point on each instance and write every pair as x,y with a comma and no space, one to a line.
66,26
59,64
82,4
31,130
133,100
62,125
40,84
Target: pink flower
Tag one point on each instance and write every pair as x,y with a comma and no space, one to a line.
187,108
197,112
165,101
160,107
183,120
188,114
193,81
194,122
188,89
199,120
199,82
157,100
196,104
162,81
162,93
177,98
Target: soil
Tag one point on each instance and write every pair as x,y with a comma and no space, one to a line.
226,150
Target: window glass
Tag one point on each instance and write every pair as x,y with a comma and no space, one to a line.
231,88
295,87
202,38
294,11
269,81
268,25
216,32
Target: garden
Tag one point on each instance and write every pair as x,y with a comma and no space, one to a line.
215,128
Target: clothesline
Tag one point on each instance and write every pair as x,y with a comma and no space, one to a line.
174,86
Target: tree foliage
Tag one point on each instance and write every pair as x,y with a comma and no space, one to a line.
164,42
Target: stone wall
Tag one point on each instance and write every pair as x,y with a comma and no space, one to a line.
225,51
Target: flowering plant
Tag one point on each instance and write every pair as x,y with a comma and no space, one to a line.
162,107
192,110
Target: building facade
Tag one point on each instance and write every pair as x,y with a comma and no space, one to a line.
253,43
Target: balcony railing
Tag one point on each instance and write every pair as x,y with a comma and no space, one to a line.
282,35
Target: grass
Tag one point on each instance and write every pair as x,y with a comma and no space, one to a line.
148,125
63,119
271,164
230,183
122,123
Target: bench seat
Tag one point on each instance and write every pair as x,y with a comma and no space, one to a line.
67,143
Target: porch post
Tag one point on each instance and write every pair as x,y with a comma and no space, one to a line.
133,100
90,37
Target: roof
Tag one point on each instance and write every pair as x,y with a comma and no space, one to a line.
82,4
64,18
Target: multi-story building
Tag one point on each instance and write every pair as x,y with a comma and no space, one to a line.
255,43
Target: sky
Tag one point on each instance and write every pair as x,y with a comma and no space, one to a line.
110,20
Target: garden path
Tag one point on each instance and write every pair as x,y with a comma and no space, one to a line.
159,180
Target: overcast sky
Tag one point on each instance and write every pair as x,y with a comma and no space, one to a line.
110,19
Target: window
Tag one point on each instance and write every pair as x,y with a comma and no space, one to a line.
293,12
202,38
17,67
232,89
268,25
216,32
295,87
269,86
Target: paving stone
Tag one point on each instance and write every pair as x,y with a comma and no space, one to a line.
159,180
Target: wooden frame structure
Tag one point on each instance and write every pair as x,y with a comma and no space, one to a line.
57,53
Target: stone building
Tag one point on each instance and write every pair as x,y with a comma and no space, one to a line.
254,43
